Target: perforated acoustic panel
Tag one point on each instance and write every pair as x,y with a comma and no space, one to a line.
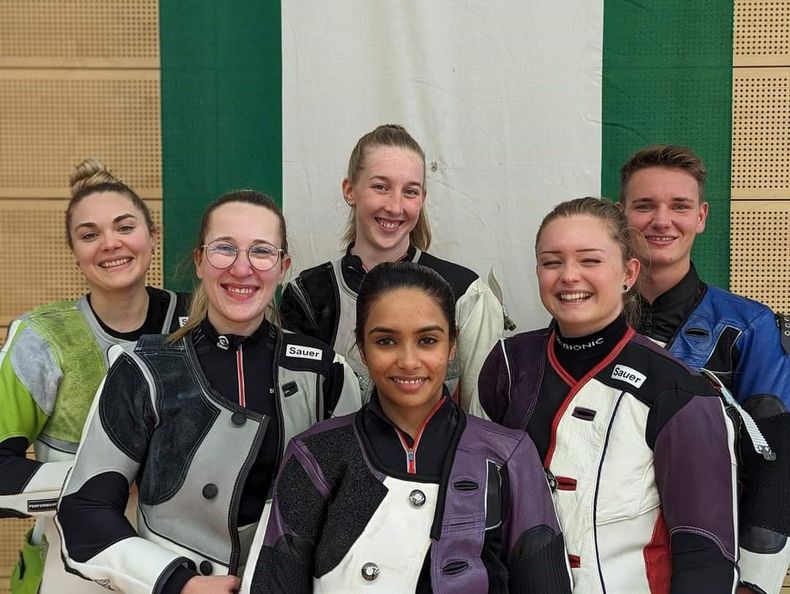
761,32
51,119
37,264
760,247
761,133
92,33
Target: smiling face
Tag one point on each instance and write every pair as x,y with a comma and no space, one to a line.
664,204
581,274
111,242
387,194
239,295
407,347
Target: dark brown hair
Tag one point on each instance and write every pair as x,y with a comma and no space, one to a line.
391,276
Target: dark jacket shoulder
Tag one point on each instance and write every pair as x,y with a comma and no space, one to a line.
458,277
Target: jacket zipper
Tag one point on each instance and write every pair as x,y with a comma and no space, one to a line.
240,376
411,451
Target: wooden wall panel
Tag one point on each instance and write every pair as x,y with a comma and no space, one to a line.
52,119
79,33
762,33
760,250
761,133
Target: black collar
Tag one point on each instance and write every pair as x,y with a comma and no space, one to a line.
206,331
354,271
580,354
661,319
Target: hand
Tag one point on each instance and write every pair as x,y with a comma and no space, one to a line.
212,584
744,590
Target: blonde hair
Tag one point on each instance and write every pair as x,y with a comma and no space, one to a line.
627,238
91,177
389,135
198,309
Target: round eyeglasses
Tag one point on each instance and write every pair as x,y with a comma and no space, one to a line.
262,256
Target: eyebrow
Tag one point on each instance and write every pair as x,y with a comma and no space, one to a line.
233,240
384,330
674,199
385,178
117,219
583,250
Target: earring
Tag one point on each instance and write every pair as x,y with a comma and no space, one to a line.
625,287
348,202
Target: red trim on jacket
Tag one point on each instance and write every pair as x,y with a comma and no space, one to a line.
576,386
658,558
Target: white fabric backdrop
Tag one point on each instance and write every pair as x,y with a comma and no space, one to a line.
504,96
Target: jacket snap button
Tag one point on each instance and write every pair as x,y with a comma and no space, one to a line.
370,571
206,568
238,418
210,491
417,498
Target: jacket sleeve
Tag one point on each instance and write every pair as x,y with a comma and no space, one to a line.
481,322
695,472
29,378
342,394
536,557
493,386
98,541
285,564
763,365
764,507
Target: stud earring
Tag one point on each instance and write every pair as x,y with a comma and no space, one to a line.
625,288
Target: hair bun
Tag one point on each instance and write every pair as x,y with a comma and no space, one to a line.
91,172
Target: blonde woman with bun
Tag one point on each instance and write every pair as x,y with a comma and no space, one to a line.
56,356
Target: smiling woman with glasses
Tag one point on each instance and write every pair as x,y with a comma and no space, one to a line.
199,420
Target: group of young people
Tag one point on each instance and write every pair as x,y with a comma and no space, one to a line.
384,434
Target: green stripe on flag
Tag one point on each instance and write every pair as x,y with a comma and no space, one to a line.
221,111
667,78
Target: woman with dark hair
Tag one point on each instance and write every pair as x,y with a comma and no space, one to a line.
410,494
199,419
640,450
56,356
385,190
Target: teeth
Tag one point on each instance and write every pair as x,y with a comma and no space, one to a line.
241,290
388,224
113,263
400,380
660,237
574,296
